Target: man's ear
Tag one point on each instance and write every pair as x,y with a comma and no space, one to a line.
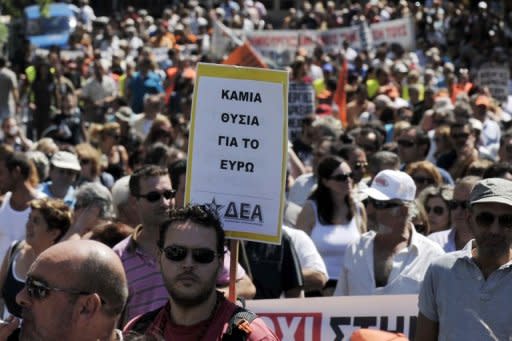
88,306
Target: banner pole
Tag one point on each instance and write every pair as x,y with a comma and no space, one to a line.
233,249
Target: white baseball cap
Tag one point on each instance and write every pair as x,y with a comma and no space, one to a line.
392,184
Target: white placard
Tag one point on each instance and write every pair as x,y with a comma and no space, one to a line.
238,148
336,318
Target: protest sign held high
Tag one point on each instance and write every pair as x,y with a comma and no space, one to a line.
238,145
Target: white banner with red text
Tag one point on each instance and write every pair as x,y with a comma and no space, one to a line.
336,318
280,46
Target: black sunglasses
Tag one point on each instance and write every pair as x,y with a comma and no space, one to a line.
456,203
405,143
423,180
384,204
486,219
341,177
176,253
438,210
38,290
155,195
460,136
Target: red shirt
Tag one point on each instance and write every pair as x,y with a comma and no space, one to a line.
209,329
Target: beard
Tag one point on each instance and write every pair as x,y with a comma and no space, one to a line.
194,295
492,246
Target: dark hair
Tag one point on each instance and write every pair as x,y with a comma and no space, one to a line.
199,214
176,169
346,150
110,233
20,160
56,214
497,170
322,195
421,138
144,172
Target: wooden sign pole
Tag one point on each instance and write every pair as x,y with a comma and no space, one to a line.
233,249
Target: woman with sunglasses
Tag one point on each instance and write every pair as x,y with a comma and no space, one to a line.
115,154
331,217
48,222
424,174
90,162
436,201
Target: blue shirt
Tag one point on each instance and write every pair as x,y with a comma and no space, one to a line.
69,198
139,86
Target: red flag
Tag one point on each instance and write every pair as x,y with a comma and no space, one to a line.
245,56
340,96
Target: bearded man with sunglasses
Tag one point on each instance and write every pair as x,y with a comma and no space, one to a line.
75,290
393,259
466,294
155,197
191,245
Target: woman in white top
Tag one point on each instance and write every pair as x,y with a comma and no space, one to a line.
331,217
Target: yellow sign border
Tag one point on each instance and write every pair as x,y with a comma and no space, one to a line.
246,73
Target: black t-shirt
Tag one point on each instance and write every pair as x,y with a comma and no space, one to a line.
275,268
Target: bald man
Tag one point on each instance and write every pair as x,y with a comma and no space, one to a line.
75,290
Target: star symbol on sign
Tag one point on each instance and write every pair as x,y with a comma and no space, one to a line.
214,207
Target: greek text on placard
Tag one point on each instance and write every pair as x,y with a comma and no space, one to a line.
239,119
239,166
241,96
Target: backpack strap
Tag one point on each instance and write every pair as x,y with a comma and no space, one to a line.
239,325
140,324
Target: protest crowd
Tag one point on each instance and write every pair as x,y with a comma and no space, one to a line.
399,173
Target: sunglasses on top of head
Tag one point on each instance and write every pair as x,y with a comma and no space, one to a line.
155,195
176,253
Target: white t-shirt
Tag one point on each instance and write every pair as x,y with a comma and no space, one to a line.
12,223
306,250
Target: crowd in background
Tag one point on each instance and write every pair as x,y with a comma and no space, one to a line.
85,121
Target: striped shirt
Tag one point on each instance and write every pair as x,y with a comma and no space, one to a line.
146,289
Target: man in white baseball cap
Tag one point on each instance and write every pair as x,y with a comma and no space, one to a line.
393,258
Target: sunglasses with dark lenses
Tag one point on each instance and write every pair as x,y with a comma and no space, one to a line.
438,210
38,290
384,204
155,195
360,165
486,219
341,177
176,253
423,180
456,203
85,161
405,143
460,136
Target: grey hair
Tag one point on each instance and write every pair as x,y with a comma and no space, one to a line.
120,193
95,194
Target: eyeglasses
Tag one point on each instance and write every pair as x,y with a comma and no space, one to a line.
438,210
85,161
486,219
384,204
68,172
422,180
359,165
341,177
38,290
405,143
176,253
460,136
456,203
155,195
